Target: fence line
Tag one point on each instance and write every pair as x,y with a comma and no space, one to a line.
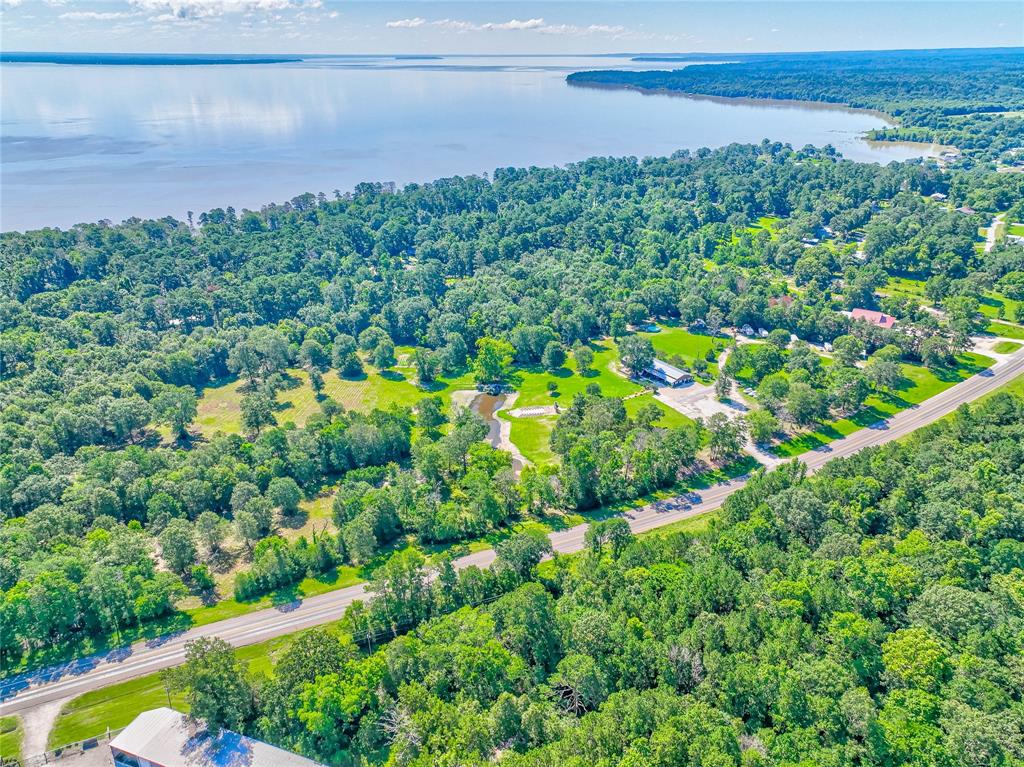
70,749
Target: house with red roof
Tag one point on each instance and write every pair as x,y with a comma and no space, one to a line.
875,318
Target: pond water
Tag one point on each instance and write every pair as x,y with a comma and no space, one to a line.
82,143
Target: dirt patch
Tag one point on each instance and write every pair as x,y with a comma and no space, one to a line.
36,723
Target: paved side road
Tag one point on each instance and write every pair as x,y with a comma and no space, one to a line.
29,690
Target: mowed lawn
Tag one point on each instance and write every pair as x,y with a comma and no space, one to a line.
532,434
1005,330
919,384
1006,347
675,341
10,738
220,406
992,302
532,383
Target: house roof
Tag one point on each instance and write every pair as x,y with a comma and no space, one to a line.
875,318
171,739
669,371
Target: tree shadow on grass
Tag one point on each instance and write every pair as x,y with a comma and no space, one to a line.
392,375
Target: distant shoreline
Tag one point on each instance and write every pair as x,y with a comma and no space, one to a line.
143,59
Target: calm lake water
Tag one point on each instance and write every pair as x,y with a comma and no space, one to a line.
82,143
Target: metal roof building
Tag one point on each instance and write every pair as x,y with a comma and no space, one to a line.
164,737
669,374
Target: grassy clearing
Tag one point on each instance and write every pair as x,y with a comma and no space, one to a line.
919,384
1005,330
763,224
532,437
532,383
904,286
10,737
220,406
1016,228
676,341
1006,347
992,303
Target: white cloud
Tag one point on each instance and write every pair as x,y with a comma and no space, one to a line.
573,29
169,10
406,23
10,3
515,24
94,15
512,25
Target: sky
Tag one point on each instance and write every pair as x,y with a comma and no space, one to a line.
503,27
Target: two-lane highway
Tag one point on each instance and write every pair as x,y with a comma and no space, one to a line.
29,690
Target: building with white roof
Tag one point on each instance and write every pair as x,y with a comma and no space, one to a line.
164,737
667,374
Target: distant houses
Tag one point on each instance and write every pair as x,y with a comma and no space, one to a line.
669,375
877,319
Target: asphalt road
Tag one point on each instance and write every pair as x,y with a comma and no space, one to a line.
28,690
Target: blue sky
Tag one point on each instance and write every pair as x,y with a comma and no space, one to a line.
391,26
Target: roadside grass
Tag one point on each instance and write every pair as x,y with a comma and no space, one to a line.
1006,347
675,340
1005,330
115,706
919,384
693,525
1016,228
11,736
220,406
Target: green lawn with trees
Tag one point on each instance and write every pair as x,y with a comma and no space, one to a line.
917,385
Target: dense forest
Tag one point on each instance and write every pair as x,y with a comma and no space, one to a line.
115,507
951,97
872,614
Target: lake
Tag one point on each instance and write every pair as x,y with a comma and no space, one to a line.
83,143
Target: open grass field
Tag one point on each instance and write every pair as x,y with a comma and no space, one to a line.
904,286
675,341
919,384
10,738
531,435
1006,347
992,302
1005,330
220,406
1016,228
532,383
